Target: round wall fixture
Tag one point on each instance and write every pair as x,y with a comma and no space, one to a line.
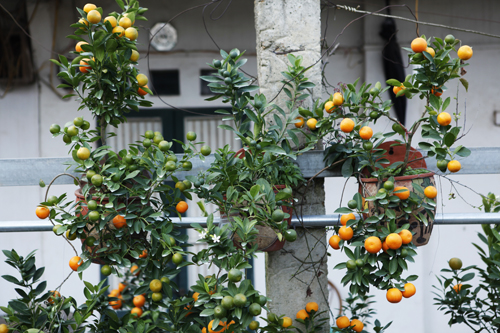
165,36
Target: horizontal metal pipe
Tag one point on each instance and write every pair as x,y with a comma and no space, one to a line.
29,171
315,221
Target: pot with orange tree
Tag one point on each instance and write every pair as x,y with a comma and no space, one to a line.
394,209
123,195
253,185
250,186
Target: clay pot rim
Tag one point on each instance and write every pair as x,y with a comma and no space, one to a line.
400,178
79,195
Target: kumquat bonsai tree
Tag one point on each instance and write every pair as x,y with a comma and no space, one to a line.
394,209
253,185
122,195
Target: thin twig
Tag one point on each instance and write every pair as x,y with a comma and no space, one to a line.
325,168
47,193
351,9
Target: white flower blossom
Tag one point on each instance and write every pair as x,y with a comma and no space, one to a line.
216,238
203,234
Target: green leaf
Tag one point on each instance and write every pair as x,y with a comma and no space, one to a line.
463,152
254,191
305,85
100,53
55,62
207,313
294,137
84,266
372,219
393,82
132,174
425,146
251,115
211,78
111,45
278,120
446,103
342,265
393,266
89,286
465,83
434,100
248,89
19,306
41,287
347,168
6,310
359,201
449,139
467,277
274,149
390,213
121,4
226,127
496,234
63,60
11,279
349,253
78,38
38,274
305,113
343,210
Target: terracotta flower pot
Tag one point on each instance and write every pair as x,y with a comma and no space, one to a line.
422,233
267,240
99,258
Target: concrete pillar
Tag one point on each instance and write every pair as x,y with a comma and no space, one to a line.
297,274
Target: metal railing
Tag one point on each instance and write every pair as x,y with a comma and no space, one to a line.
28,172
307,221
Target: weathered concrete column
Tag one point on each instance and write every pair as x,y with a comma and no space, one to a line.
297,274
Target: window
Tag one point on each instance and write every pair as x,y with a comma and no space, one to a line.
205,90
166,82
15,49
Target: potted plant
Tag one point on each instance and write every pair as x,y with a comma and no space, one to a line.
396,204
123,204
122,197
253,185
